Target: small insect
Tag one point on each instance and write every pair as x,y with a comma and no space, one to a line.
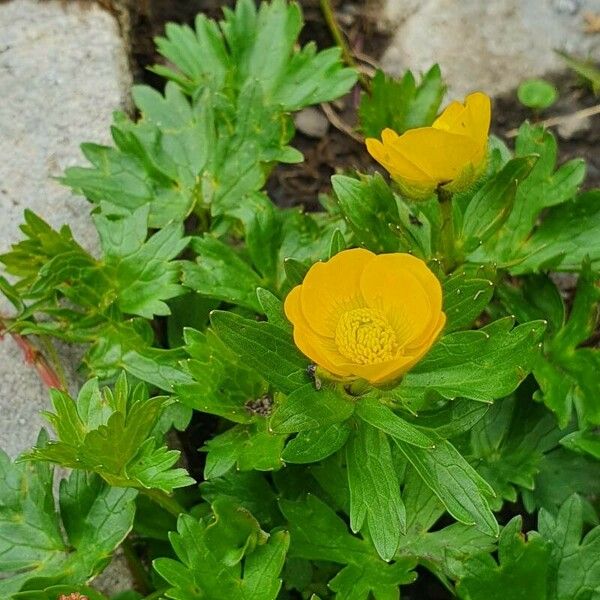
260,406
311,371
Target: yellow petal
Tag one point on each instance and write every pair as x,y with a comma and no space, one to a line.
440,154
332,287
389,284
320,350
393,161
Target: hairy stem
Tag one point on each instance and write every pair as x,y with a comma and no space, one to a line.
447,230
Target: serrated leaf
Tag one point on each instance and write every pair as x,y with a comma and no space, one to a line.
568,235
456,484
200,574
369,206
318,533
262,45
574,568
374,489
246,447
401,104
509,443
542,188
482,365
521,572
264,347
96,518
220,273
316,444
465,297
112,435
307,408
490,206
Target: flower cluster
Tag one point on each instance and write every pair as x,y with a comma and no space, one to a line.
372,317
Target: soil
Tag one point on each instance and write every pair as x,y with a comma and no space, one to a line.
337,151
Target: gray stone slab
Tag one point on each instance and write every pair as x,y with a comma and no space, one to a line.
63,71
489,45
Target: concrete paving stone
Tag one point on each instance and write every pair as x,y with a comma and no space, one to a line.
489,45
63,71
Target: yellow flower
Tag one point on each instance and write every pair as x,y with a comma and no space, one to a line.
368,316
452,152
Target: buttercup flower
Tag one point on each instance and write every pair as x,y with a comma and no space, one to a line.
362,315
452,152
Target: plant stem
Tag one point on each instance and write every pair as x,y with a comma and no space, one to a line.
446,229
34,357
340,40
165,501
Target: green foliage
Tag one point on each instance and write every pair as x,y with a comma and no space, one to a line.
401,104
254,45
368,485
207,567
43,544
112,434
537,94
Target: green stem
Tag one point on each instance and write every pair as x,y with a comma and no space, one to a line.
447,229
165,501
340,40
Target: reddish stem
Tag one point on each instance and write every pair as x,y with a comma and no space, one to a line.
35,358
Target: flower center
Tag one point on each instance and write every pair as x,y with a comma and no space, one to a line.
364,336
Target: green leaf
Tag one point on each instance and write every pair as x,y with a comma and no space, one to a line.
40,543
561,474
568,235
465,297
566,372
587,442
255,45
381,417
199,573
374,489
574,568
308,408
263,347
295,271
482,365
272,307
144,272
401,104
220,273
537,94
112,434
246,447
456,484
156,161
489,208
541,189
319,534
509,443
316,444
369,206
521,572
221,384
